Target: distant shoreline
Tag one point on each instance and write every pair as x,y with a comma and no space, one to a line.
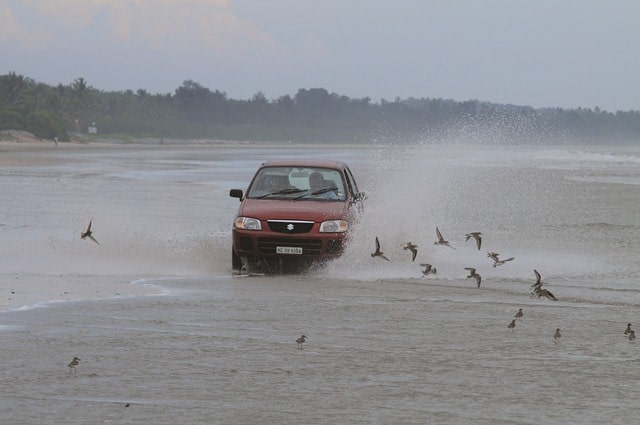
20,137
16,140
19,149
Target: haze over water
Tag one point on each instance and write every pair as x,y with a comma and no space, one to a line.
160,322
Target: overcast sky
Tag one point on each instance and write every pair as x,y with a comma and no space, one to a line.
538,52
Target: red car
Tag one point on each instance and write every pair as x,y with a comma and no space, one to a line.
294,212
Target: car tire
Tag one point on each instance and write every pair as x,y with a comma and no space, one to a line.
236,262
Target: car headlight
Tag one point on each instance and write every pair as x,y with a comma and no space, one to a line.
248,223
334,226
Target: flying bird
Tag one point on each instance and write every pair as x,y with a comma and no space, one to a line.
501,262
538,291
441,240
428,269
413,248
378,253
74,363
473,274
301,340
539,282
88,234
475,235
496,260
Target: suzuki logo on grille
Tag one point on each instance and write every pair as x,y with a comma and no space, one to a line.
289,227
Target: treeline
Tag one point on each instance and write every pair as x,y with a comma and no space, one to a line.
311,115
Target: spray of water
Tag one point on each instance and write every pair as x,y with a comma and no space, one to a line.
460,187
460,184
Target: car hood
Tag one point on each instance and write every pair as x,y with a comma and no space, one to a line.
269,209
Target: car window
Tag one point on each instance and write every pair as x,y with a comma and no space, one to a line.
269,180
351,181
303,183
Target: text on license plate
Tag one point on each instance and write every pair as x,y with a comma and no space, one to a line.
288,250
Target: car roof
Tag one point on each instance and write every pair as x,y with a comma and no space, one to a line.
296,162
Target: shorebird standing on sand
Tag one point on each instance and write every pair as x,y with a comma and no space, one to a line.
441,240
496,260
476,236
74,363
519,314
301,340
628,330
378,253
512,324
413,248
88,233
428,269
473,274
557,335
632,335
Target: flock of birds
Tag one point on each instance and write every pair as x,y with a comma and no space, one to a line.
536,289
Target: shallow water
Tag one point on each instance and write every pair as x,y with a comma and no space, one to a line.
184,340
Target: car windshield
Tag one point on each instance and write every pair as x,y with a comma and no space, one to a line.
298,183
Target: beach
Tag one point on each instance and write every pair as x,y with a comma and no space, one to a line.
41,265
166,333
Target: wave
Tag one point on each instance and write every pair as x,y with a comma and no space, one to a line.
75,292
631,180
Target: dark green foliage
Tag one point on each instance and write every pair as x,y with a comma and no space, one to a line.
46,125
10,120
311,115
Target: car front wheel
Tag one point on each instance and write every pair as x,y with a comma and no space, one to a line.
236,262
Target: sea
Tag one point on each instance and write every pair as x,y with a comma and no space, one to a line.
167,334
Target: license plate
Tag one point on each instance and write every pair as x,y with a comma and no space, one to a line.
288,250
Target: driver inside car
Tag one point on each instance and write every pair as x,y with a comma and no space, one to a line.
324,189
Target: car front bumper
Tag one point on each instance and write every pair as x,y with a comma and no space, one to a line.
270,245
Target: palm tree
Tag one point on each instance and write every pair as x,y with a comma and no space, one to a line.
13,91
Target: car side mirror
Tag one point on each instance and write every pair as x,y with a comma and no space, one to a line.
236,193
360,196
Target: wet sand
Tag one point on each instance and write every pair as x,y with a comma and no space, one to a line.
166,334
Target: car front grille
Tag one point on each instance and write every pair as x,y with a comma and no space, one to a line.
290,226
309,246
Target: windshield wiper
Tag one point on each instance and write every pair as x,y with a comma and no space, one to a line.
318,192
281,192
